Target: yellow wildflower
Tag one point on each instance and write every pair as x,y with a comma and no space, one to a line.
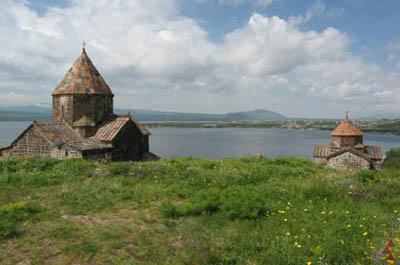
309,262
342,241
281,211
323,212
285,219
347,212
305,210
365,233
390,261
395,211
348,226
288,233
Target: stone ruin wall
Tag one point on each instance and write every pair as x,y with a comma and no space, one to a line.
349,162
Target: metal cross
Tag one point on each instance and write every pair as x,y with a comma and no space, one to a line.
347,114
84,44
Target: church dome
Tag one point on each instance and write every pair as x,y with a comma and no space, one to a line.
82,78
347,128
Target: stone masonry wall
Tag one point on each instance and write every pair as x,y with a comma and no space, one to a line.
321,161
346,141
71,108
349,162
32,143
129,144
63,106
66,152
99,156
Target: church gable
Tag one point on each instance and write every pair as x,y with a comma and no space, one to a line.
349,161
129,143
30,143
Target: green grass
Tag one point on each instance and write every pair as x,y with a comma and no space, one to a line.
195,211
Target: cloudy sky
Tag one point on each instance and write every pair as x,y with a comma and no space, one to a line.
311,58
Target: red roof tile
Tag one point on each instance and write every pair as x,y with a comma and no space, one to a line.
82,78
109,130
347,128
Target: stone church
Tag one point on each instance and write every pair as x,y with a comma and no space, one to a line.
347,151
83,123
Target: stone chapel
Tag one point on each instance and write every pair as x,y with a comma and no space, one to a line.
347,151
83,123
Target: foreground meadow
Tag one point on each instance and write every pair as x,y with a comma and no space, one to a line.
196,211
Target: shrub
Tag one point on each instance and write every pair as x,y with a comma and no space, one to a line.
366,175
242,202
168,209
392,159
234,202
12,214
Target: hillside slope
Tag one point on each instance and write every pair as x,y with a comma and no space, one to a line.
194,211
30,113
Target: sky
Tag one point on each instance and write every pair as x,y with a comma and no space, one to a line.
309,58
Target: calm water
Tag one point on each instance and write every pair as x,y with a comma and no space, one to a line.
235,142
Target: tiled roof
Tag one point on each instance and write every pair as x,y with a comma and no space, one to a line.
60,133
86,144
57,132
321,151
109,130
374,152
82,78
347,128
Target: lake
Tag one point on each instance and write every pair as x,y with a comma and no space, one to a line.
225,142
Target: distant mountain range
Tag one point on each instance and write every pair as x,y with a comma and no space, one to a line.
30,113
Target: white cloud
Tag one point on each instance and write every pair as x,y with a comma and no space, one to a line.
153,57
262,3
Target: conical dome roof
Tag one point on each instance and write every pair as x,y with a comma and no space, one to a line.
347,128
82,78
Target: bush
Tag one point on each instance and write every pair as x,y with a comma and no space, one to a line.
168,209
12,214
241,202
366,175
234,202
392,159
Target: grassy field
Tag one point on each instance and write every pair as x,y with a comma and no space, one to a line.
196,211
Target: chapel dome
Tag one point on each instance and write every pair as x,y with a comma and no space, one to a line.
82,78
